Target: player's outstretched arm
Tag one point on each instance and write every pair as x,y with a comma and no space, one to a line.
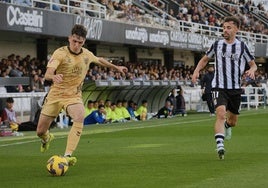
201,64
106,63
252,70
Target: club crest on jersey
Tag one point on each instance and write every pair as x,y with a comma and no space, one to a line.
232,56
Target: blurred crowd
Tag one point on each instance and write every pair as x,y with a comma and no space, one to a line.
18,66
141,71
191,11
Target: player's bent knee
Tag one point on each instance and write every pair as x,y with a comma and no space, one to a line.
78,119
78,125
40,133
221,115
232,123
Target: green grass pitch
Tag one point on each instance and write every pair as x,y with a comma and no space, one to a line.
176,152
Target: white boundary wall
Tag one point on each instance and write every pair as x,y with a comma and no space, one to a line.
254,97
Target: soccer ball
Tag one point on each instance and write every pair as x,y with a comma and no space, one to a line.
57,165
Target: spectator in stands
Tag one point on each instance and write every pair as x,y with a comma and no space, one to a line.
26,3
5,74
41,5
66,92
142,111
226,83
87,8
76,7
183,9
37,84
206,89
56,6
96,117
15,71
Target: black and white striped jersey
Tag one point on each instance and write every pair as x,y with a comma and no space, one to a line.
230,62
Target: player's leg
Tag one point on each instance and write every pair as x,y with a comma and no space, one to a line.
49,112
219,130
43,132
231,119
230,122
76,112
221,100
232,113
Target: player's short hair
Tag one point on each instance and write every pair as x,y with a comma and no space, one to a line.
79,30
233,19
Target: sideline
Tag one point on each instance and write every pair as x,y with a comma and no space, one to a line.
118,128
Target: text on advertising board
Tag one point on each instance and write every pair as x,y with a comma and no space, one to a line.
31,19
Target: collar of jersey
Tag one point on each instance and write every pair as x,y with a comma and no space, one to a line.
74,52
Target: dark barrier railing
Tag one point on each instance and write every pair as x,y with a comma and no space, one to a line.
155,92
14,81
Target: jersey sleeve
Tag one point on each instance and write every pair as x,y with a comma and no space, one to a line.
210,52
92,57
247,55
55,59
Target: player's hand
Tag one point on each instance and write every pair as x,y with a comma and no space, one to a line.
195,77
57,78
250,73
122,69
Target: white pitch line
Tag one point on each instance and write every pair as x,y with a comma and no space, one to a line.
88,132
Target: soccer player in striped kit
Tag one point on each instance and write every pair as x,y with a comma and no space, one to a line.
231,56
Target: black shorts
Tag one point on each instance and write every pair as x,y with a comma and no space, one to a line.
231,98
